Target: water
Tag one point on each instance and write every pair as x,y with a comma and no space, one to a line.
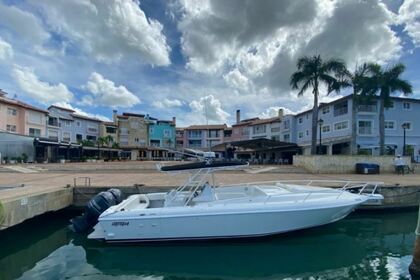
362,246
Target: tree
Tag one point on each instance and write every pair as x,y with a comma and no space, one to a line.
386,82
100,142
313,72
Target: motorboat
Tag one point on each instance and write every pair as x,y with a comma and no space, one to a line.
199,209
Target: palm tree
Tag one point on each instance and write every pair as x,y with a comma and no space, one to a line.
109,140
100,142
386,82
312,73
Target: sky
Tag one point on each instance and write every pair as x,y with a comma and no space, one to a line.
197,60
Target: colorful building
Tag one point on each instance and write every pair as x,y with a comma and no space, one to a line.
203,137
21,118
162,133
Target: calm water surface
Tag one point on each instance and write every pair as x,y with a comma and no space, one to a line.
362,246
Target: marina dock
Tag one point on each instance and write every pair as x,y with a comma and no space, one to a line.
25,195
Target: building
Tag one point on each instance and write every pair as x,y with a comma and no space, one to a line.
21,118
109,129
241,129
336,126
162,134
65,125
203,137
179,138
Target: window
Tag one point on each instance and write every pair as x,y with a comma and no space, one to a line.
194,143
256,129
340,108
166,133
111,130
11,112
92,129
91,137
300,120
213,133
36,132
341,125
275,129
406,105
66,137
325,110
370,107
155,143
79,137
134,124
194,134
35,117
389,124
11,128
365,127
326,128
300,134
65,123
286,124
78,123
408,125
52,121
53,135
124,130
286,138
124,140
307,132
151,130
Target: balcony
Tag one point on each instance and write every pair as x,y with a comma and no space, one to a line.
367,108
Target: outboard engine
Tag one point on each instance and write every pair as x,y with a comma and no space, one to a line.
95,207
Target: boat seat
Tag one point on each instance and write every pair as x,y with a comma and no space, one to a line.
206,194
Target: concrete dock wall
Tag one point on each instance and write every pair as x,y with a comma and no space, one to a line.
20,208
341,164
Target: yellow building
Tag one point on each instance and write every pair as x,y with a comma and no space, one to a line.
132,134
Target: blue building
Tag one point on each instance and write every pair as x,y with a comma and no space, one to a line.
336,129
162,133
65,125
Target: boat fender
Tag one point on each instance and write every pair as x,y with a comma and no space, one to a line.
94,208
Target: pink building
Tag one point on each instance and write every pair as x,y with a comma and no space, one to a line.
21,118
241,129
203,137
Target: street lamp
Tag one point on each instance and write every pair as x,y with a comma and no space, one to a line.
404,127
320,123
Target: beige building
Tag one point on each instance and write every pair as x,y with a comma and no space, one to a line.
21,118
109,129
132,134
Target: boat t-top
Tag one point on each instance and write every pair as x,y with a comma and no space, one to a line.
200,210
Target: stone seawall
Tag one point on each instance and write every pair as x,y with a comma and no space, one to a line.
342,164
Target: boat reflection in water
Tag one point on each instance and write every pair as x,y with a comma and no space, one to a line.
371,246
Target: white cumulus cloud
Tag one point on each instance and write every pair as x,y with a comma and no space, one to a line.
6,50
209,107
108,30
273,111
38,90
104,92
409,15
167,103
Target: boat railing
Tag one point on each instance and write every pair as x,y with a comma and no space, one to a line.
359,187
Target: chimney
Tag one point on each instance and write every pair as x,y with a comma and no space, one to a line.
281,113
238,116
174,120
114,116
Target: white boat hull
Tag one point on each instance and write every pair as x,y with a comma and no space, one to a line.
216,224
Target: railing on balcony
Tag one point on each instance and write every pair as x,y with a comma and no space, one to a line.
367,108
365,130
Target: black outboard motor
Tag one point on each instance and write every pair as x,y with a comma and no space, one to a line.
95,207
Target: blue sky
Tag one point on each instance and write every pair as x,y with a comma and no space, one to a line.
175,58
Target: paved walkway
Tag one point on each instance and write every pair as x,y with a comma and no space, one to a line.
44,181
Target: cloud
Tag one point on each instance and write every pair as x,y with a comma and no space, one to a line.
105,93
209,107
236,79
40,91
273,111
230,40
409,15
167,103
81,112
24,25
6,50
108,30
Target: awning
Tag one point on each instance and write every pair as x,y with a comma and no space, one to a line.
258,145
